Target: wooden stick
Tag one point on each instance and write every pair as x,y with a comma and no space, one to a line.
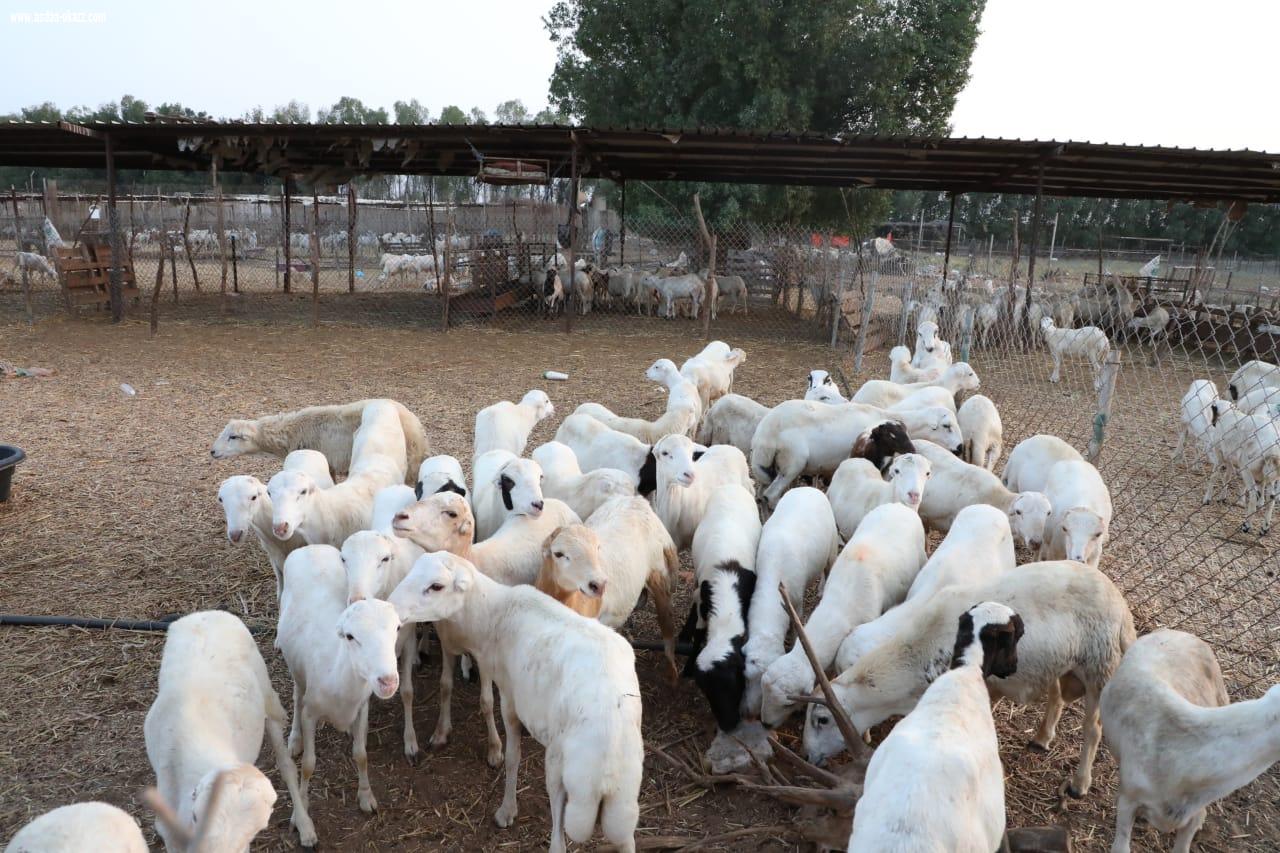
155,292
17,242
286,195
222,234
186,243
315,258
782,755
851,737
351,236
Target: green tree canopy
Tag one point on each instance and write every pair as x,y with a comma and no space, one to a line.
349,110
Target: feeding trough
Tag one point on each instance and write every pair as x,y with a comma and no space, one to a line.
10,456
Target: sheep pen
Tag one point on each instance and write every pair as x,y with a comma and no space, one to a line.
115,515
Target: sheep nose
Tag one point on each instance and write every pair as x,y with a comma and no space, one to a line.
235,536
213,453
387,685
281,530
537,506
914,497
1034,544
596,587
354,597
401,517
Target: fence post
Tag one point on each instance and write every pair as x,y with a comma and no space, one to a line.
966,334
155,290
907,293
17,242
315,258
113,226
235,271
222,235
867,308
351,237
1106,389
285,198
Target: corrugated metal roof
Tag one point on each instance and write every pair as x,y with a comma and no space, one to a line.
332,153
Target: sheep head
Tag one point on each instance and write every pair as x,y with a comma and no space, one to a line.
241,497
367,630
439,522
571,559
236,438
435,588
291,494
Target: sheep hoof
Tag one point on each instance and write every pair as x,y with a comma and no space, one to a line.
439,741
1035,746
411,756
1069,790
504,817
1244,528
368,803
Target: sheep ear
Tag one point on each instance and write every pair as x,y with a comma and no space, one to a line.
462,581
506,484
1000,647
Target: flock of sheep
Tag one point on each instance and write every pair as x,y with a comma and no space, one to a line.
527,570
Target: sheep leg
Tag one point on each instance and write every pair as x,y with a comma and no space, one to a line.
295,726
408,651
1251,498
1126,814
558,797
1056,376
507,812
788,471
300,818
1182,444
1182,842
1049,723
494,755
659,589
444,722
1213,478
308,750
359,751
1083,779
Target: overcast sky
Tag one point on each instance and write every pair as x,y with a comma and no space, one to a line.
1174,72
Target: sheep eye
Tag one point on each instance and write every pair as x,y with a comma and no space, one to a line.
450,513
559,555
251,497
1017,512
386,559
350,637
435,587
219,500
1064,528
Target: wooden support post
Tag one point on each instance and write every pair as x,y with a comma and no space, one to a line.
622,250
966,335
1099,218
186,243
17,242
907,294
569,302
222,234
709,295
868,307
235,267
155,291
1031,258
351,236
1106,384
113,231
286,196
315,258
951,224
446,282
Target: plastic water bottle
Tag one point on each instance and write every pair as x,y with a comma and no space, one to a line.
554,374
128,389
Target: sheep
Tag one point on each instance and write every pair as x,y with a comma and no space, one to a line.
686,483
1195,416
1179,742
80,826
931,351
924,398
506,425
247,506
884,393
986,317
977,548
1028,466
213,703
597,446
565,481
440,474
901,371
712,371
732,420
956,484
1261,401
857,488
1155,322
798,544
570,680
735,286
328,429
947,743
801,437
1251,376
553,293
329,516
1081,519
1078,627
601,568
505,487
1087,341
1249,445
871,574
675,288
31,262
822,387
982,430
337,653
680,417
724,558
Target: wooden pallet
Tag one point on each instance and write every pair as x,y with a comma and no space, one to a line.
84,272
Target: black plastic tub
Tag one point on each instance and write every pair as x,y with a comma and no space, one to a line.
10,456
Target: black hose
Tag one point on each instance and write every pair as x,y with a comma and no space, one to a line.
161,625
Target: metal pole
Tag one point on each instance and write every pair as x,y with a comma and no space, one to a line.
1031,256
951,224
920,232
113,226
315,258
351,237
1053,239
222,234
573,238
235,273
285,198
622,249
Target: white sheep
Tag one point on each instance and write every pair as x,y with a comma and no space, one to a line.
441,473
712,371
857,488
597,446
732,420
947,743
568,679
931,350
956,484
884,393
674,288
601,568
213,704
1261,401
680,417
33,263
900,369
735,286
1027,469
329,516
1251,376
564,480
1249,445
986,317
247,507
1088,341
798,544
802,437
506,425
505,487
1078,628
328,429
80,826
872,574
1196,416
1179,742
1081,520
724,558
685,484
1155,322
982,430
338,654
924,398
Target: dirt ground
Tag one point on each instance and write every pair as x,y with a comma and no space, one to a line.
114,514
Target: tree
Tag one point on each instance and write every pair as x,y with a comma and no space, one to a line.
452,115
411,112
294,112
511,112
477,116
349,110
